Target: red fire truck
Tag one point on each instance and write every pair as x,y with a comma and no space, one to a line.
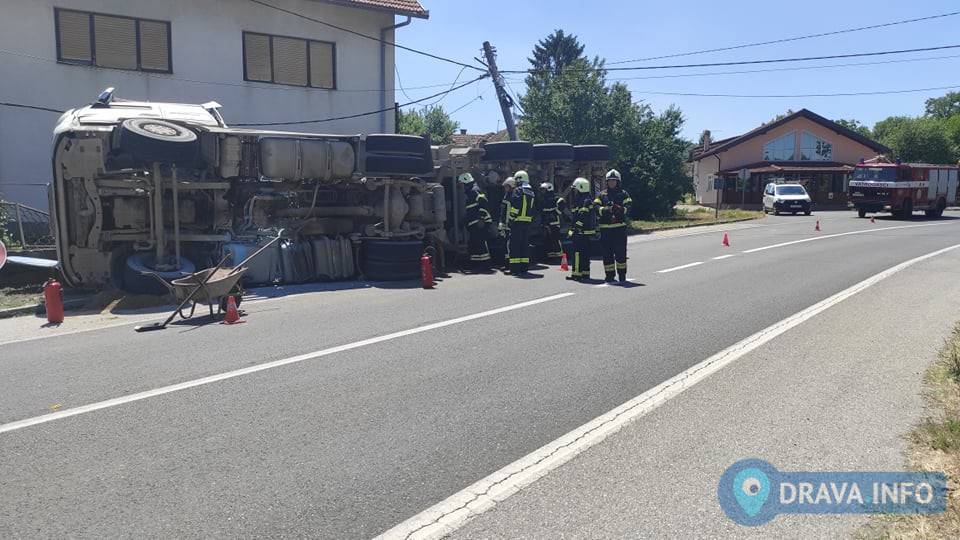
879,185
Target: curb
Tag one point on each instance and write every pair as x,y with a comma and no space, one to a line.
17,311
691,225
38,309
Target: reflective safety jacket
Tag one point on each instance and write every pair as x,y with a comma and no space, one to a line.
476,209
521,204
607,201
552,210
584,210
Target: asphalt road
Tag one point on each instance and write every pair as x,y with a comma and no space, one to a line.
412,396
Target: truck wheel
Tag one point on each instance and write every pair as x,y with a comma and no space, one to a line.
553,152
591,152
149,140
508,151
398,154
391,164
405,144
392,260
861,213
907,211
138,274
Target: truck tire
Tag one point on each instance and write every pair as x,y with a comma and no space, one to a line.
553,152
508,151
906,212
591,152
138,274
388,164
149,140
861,213
391,260
398,144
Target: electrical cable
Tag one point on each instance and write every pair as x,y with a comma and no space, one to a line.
837,94
359,34
786,40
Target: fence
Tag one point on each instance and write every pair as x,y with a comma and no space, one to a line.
25,227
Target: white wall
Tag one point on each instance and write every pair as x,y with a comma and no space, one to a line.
704,171
207,65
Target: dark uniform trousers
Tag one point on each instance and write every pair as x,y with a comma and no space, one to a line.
521,218
613,231
478,223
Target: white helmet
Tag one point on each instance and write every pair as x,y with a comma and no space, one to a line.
582,185
465,178
510,182
613,174
547,186
522,177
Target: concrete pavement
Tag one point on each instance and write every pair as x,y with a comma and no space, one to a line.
350,443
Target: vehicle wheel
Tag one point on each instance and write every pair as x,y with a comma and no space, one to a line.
392,260
398,144
149,140
508,151
861,213
807,212
591,152
553,152
907,211
793,213
775,211
138,274
941,206
387,164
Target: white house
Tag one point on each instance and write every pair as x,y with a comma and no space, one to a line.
262,64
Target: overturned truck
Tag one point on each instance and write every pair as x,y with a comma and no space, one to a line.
156,189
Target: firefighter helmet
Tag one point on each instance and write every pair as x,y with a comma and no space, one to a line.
510,182
613,174
465,178
547,187
582,185
522,177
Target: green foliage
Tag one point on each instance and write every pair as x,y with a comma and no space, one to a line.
433,121
944,107
916,139
555,52
856,126
575,105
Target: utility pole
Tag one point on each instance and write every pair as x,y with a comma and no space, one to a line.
506,102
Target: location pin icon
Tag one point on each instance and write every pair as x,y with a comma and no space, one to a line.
751,488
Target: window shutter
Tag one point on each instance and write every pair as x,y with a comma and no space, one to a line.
115,41
74,33
321,65
257,57
290,61
154,46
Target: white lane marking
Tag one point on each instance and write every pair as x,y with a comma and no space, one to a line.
722,257
675,268
66,413
452,513
824,237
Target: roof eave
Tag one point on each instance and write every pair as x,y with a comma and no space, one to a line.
425,14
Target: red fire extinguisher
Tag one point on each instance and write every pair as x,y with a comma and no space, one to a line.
53,299
426,272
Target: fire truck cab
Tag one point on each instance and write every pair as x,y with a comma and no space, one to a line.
879,185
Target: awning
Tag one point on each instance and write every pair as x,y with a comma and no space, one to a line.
776,169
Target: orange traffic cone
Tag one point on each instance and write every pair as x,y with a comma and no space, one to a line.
726,240
817,228
233,315
564,266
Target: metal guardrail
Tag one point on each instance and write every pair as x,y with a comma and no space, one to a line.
28,227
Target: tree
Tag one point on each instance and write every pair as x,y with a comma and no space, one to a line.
555,52
943,107
916,139
432,121
855,126
576,106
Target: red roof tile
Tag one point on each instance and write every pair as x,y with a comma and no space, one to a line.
412,8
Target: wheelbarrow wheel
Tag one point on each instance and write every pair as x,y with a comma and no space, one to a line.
238,298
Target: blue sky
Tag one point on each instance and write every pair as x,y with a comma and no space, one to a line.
621,30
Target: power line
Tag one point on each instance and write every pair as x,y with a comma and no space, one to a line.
354,32
786,40
749,62
445,94
319,121
34,107
838,94
400,82
465,105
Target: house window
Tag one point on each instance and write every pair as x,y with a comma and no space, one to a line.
287,60
112,41
781,148
813,148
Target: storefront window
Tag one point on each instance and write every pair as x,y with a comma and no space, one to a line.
781,148
813,148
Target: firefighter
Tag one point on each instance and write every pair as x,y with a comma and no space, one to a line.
477,221
520,217
583,212
550,212
504,226
614,204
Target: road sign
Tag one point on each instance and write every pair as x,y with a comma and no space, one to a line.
3,254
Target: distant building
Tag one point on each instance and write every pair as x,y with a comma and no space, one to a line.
261,64
802,147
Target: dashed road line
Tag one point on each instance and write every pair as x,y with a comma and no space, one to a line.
824,237
720,258
681,267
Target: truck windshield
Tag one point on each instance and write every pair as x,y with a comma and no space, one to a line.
790,190
885,174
